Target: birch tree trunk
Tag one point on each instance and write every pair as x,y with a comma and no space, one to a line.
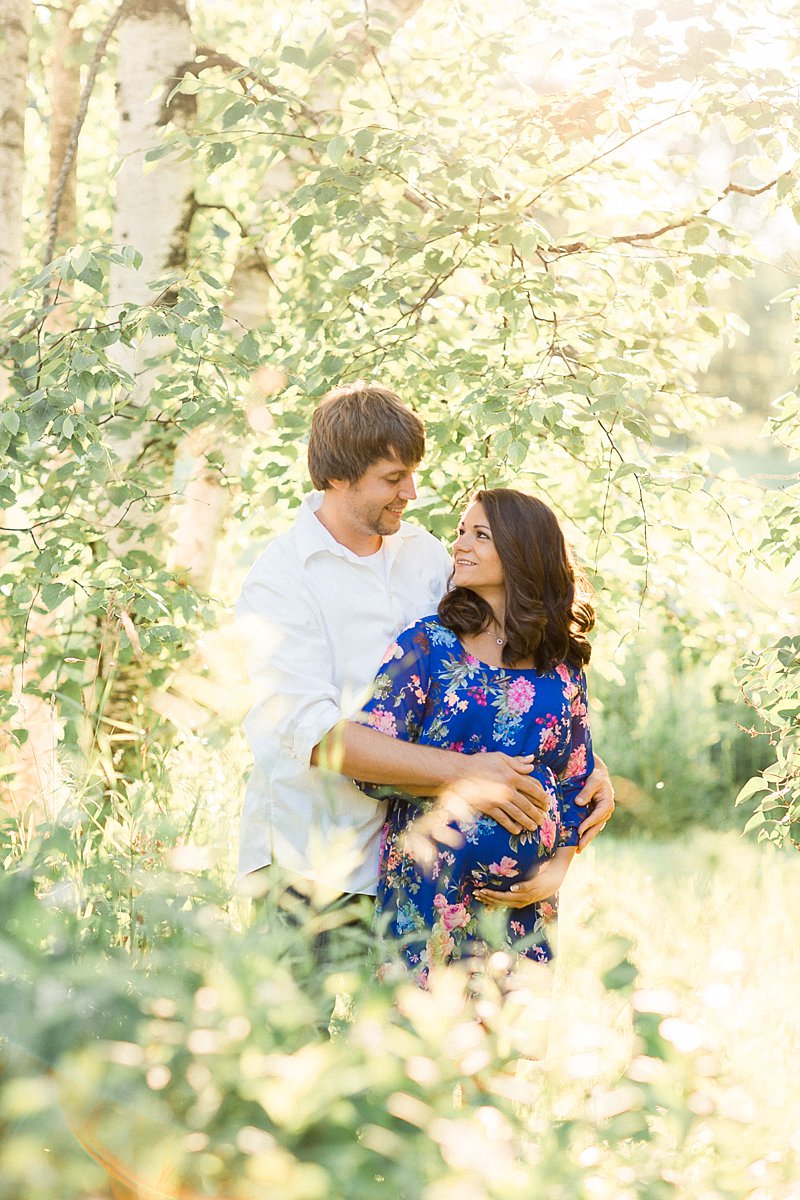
154,201
15,31
153,209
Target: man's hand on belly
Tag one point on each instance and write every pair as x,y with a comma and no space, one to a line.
499,786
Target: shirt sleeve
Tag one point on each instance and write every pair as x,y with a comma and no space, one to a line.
396,705
291,668
576,765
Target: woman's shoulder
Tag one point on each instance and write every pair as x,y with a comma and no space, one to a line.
424,633
571,675
436,633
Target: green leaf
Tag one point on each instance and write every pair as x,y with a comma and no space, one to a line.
249,348
54,594
294,54
321,50
301,229
93,277
38,419
363,141
236,112
695,235
751,788
336,149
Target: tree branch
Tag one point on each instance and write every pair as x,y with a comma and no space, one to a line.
75,132
651,235
207,58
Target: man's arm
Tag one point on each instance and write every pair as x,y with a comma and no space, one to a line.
495,784
289,663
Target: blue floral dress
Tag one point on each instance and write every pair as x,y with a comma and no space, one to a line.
430,690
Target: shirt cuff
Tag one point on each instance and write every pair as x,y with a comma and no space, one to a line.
309,735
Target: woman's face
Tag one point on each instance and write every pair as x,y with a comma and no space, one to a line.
476,562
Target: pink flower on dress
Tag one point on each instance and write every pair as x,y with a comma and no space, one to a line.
517,927
506,866
571,688
472,661
416,688
453,916
547,910
384,721
547,833
576,764
520,696
548,738
394,651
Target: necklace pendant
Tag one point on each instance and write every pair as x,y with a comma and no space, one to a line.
499,641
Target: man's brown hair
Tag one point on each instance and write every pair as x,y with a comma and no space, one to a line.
354,426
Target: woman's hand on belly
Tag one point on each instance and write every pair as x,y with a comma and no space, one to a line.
541,886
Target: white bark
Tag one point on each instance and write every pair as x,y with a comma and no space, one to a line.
200,513
15,30
153,199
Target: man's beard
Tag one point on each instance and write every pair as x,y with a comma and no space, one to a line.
381,523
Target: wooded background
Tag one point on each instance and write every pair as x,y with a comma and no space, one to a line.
551,232
567,235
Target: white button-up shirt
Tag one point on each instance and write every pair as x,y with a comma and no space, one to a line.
317,620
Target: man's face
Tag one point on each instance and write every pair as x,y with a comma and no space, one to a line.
376,501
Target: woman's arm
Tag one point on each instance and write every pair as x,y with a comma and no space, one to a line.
573,771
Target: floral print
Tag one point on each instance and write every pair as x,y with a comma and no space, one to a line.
430,690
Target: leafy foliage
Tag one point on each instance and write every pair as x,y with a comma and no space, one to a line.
195,1067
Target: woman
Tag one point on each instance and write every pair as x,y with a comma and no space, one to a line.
500,667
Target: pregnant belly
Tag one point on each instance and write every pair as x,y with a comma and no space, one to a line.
476,850
491,855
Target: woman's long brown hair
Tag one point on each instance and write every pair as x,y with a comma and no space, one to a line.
548,611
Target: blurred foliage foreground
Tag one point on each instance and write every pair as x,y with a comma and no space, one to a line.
187,1059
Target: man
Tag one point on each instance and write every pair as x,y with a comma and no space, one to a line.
319,608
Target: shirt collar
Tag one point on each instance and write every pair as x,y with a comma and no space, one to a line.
313,538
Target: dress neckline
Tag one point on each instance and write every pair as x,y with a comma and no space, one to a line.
465,654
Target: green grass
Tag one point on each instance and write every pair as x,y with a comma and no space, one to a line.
712,922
